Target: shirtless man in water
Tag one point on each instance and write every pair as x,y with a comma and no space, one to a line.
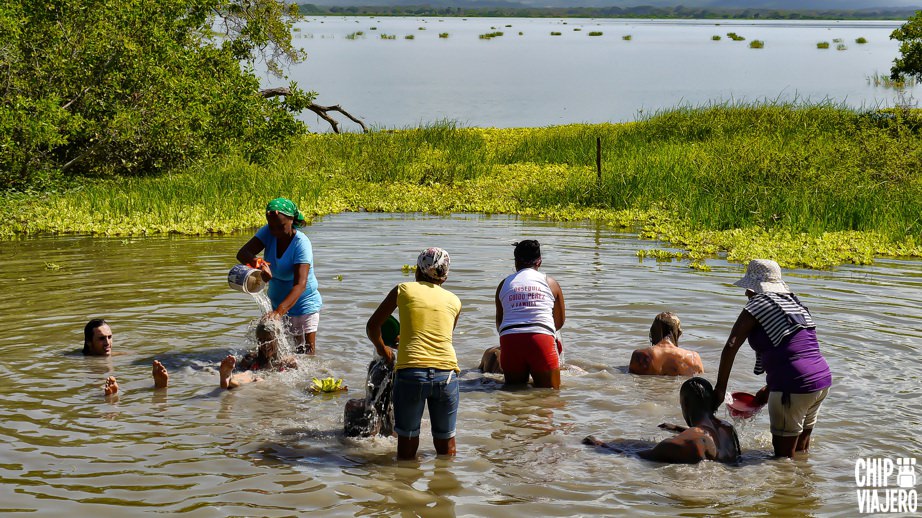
665,357
97,341
706,438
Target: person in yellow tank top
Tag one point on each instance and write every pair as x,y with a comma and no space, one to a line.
426,365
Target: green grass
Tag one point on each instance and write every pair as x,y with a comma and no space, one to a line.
822,45
808,186
756,44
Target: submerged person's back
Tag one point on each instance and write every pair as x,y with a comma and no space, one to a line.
665,357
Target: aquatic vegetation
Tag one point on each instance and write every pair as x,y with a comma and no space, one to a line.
810,186
837,40
409,37
861,40
491,35
373,29
421,29
715,37
443,35
822,45
327,385
407,269
554,33
756,44
354,35
595,33
338,277
388,36
885,81
841,46
627,37
508,25
576,29
735,37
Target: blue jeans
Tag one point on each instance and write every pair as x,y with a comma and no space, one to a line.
413,389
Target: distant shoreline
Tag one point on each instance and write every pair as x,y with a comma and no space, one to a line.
641,12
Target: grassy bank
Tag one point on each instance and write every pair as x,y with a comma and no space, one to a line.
810,186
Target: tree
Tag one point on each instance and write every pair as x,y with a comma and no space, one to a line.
909,63
98,87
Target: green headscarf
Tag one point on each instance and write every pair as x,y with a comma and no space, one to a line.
288,208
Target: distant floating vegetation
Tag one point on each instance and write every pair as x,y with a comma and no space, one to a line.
509,25
595,33
354,35
521,33
576,29
885,81
861,40
735,37
388,36
409,37
373,29
837,40
822,45
491,35
626,37
715,37
553,33
422,28
443,35
841,46
756,44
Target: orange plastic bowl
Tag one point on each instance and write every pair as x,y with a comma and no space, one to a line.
743,405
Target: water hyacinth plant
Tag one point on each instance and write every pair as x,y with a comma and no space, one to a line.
554,33
443,35
715,37
861,40
756,44
595,33
822,45
627,37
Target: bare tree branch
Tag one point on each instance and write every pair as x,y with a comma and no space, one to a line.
321,111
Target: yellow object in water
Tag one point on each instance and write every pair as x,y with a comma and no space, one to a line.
328,385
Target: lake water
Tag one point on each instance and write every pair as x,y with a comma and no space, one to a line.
536,79
272,449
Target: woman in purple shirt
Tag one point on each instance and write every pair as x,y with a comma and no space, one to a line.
782,333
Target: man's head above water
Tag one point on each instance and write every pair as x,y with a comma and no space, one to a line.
97,338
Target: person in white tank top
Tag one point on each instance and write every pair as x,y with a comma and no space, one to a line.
529,311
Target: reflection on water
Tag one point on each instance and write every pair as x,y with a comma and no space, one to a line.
274,449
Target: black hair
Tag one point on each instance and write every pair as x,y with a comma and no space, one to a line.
88,332
699,395
527,252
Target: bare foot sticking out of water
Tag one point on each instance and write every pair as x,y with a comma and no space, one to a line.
227,370
111,386
161,376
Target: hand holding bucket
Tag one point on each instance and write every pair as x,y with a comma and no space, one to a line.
246,279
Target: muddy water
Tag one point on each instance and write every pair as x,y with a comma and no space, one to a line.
273,449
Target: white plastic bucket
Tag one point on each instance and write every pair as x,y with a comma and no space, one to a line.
245,279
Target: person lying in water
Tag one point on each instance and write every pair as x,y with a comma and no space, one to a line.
705,438
266,356
158,372
664,357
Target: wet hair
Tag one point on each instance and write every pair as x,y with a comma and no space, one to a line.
696,397
665,325
527,252
266,334
88,332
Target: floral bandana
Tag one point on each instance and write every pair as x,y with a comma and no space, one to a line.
434,262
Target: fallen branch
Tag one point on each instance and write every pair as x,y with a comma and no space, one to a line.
321,111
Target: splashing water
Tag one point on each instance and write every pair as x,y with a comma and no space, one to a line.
276,326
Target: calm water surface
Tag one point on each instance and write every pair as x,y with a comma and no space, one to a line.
273,449
535,79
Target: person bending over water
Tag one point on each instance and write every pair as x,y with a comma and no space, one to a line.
705,438
292,279
426,363
529,311
266,356
665,357
781,331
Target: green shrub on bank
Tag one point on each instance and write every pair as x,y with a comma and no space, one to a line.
808,185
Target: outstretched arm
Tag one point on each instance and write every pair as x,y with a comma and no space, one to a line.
741,329
377,319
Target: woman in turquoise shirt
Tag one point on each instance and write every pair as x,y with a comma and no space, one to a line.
290,271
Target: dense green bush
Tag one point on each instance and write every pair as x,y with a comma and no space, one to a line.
131,87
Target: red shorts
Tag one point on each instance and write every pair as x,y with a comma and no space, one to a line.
528,352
